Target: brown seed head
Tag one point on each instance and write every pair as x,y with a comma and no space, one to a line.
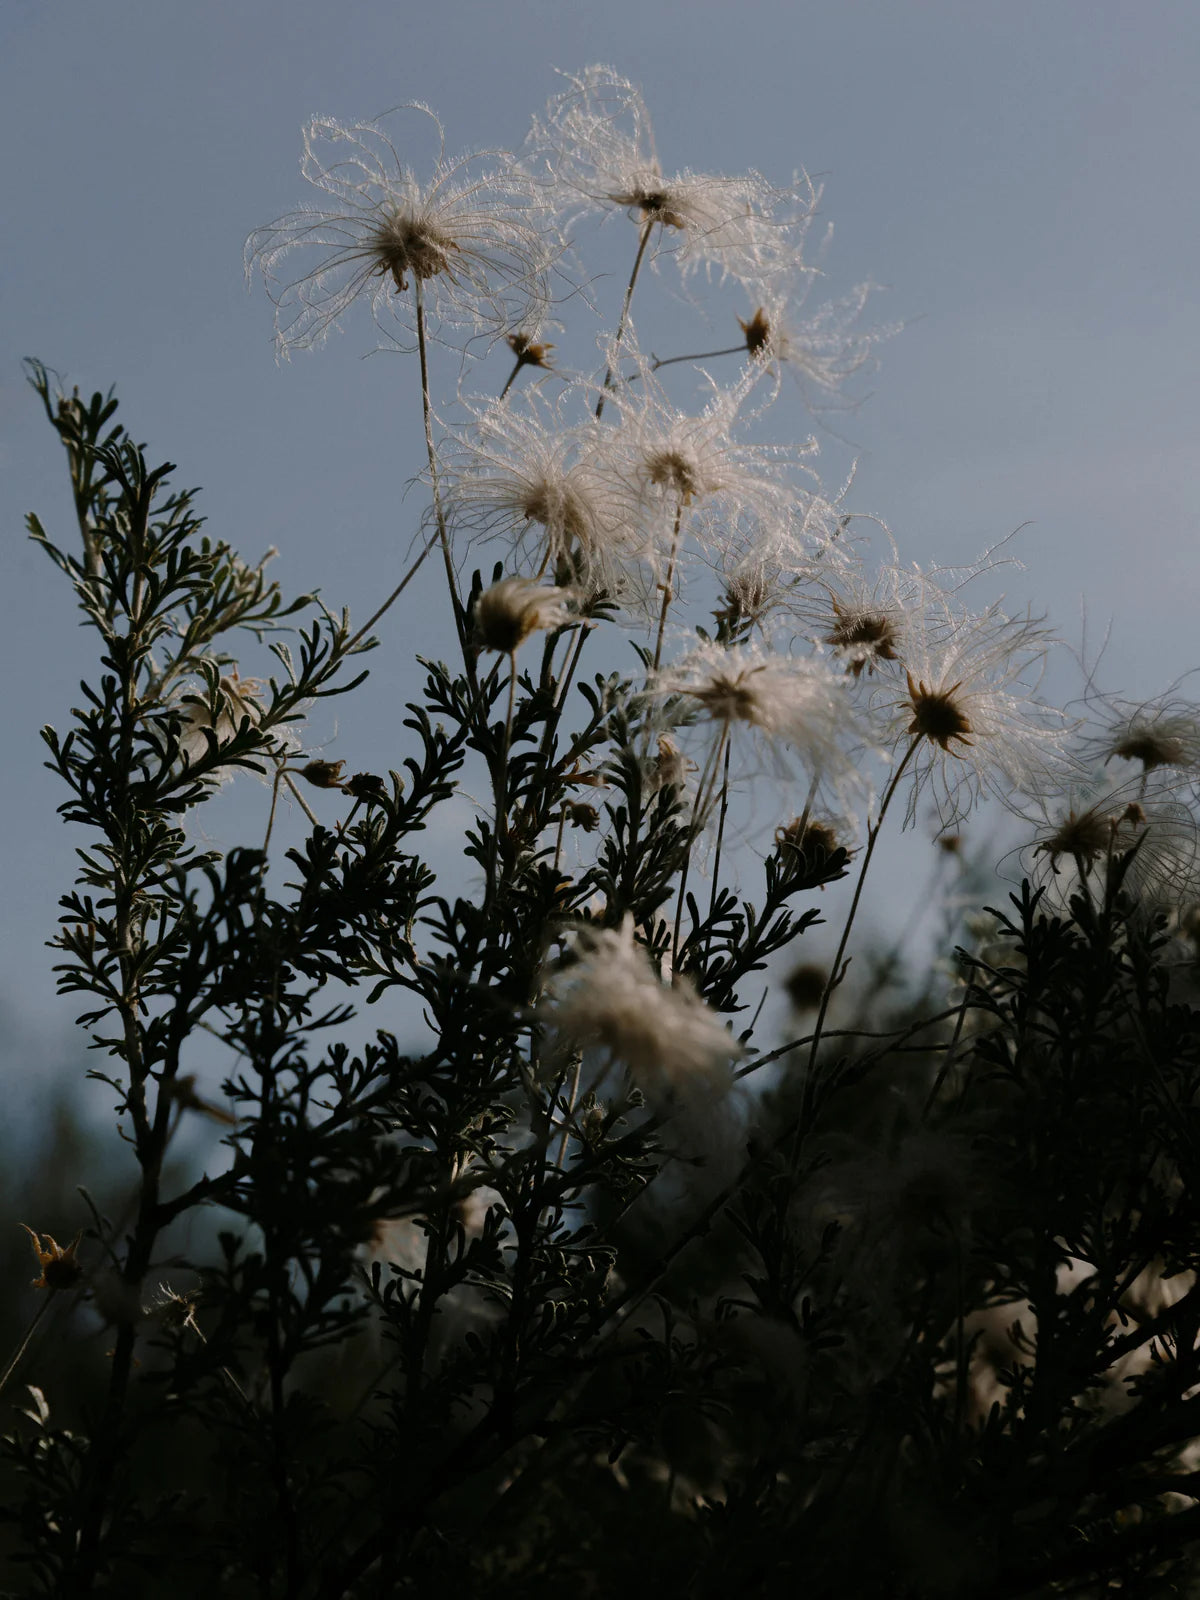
1084,836
402,245
669,469
937,716
864,637
59,1267
757,331
813,840
557,506
530,352
1151,749
508,612
655,205
746,596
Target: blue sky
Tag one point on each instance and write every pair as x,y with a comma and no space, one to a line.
1019,176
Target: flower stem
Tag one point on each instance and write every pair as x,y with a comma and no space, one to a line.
832,981
23,1345
512,378
430,450
669,585
647,228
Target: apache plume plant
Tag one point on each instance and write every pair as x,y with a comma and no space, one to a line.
601,1274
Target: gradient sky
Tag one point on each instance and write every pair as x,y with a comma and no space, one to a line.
1021,177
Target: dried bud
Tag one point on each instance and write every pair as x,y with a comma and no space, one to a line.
530,352
671,766
508,612
950,843
323,774
806,986
60,1268
365,786
183,1090
580,815
757,331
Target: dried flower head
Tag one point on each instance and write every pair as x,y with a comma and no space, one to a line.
519,474
1158,734
529,349
323,774
509,611
473,241
792,700
970,712
1143,820
59,1264
598,145
611,996
821,349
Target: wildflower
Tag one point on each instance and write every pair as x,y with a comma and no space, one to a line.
1143,821
1156,734
785,699
472,241
969,709
598,144
822,350
667,1036
669,464
518,471
509,611
59,1264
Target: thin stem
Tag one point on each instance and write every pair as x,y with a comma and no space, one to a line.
872,837
500,819
512,378
302,802
394,596
699,809
669,585
716,873
571,1094
15,1359
431,452
647,229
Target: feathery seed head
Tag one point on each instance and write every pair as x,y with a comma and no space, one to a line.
476,241
1085,835
970,704
597,144
863,636
509,611
666,1035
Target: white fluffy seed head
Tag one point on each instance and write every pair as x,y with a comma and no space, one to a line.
477,239
612,997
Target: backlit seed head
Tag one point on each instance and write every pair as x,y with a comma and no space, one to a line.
403,244
653,203
863,638
812,839
1151,748
1084,836
508,612
937,715
671,469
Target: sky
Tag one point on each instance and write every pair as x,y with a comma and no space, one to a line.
1019,177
